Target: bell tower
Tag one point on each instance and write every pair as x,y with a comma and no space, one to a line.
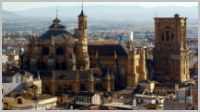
82,20
82,46
171,52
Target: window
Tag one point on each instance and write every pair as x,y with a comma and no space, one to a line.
45,51
19,101
59,51
70,56
82,87
167,35
81,24
74,49
172,37
63,66
163,37
57,66
38,65
41,65
98,86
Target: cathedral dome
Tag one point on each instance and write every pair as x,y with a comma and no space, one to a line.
56,31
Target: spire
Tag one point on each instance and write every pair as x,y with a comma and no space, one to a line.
38,75
82,6
56,20
56,25
82,13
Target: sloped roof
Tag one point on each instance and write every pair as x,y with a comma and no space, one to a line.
85,93
68,75
107,50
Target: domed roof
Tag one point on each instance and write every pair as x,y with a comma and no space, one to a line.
176,15
56,31
59,34
56,25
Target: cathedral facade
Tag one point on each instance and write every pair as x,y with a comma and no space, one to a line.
171,51
68,63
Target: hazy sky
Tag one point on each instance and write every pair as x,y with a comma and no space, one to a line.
15,6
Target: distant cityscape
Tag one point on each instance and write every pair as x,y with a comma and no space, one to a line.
99,65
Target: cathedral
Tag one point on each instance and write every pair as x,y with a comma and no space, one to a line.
72,63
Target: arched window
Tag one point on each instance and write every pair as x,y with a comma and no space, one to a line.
82,87
81,24
163,37
172,37
45,51
167,35
98,86
41,65
19,101
57,66
63,66
74,49
59,51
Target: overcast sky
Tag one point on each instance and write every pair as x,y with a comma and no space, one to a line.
15,6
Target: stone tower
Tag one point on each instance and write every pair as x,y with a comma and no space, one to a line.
130,63
171,52
82,46
142,61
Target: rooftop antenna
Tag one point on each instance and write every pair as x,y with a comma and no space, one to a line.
82,5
